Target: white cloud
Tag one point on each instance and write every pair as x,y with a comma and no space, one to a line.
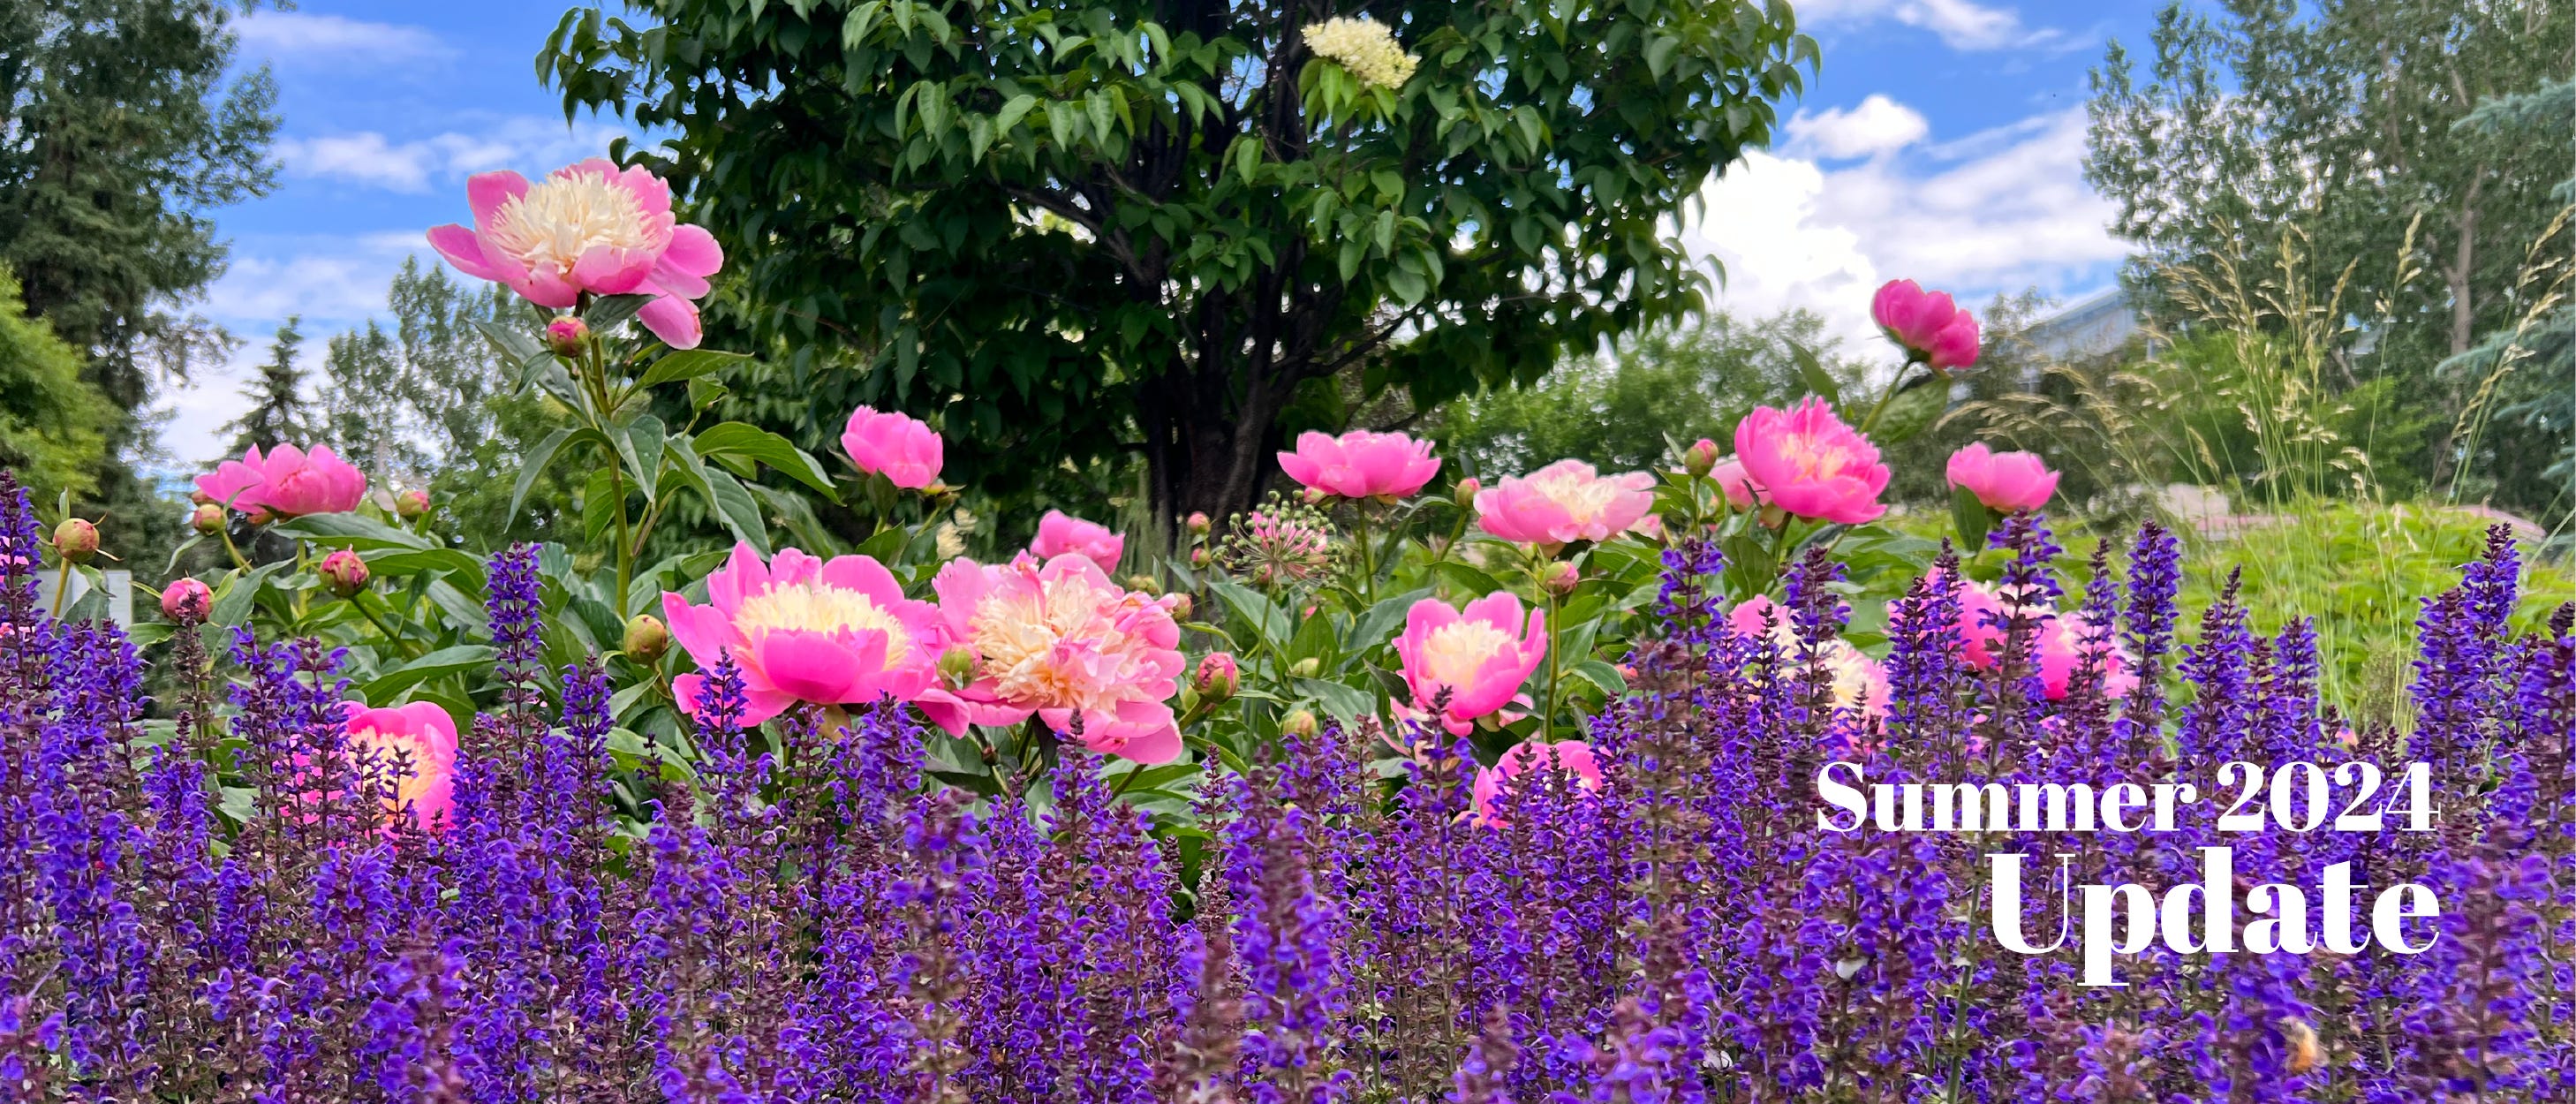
527,143
1961,24
1879,125
296,37
2015,213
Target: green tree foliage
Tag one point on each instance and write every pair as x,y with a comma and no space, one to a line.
2343,118
53,425
279,412
1621,409
1070,231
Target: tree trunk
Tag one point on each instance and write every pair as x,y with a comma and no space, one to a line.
1208,445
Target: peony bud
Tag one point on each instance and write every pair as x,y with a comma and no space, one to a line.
1198,557
76,540
1308,667
1466,493
1300,723
412,505
957,666
1314,496
343,572
1199,523
200,498
568,337
1180,606
1560,578
207,519
645,639
1700,458
1144,584
1218,677
187,601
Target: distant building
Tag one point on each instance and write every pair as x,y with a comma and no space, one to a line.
2086,328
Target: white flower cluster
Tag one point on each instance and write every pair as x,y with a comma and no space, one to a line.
1365,48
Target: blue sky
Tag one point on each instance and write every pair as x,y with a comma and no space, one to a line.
1942,140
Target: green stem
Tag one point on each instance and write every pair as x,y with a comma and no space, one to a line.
1884,398
226,532
1368,554
1555,657
400,644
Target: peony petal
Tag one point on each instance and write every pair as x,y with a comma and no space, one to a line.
487,192
674,320
464,249
693,252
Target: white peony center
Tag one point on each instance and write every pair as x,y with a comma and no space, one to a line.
1453,652
558,219
817,608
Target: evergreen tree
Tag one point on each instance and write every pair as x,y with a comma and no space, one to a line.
278,412
53,426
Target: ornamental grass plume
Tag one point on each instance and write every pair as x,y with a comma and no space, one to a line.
813,916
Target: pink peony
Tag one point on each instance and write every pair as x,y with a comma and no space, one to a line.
1859,682
2061,655
1361,464
1811,464
1479,657
1927,325
1059,534
1062,641
1574,757
591,227
1741,492
898,446
288,482
1563,502
413,747
805,629
2005,481
187,601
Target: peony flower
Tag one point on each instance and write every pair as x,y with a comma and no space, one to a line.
898,446
414,748
593,228
288,482
1811,464
1927,325
1741,492
187,601
1365,48
1061,534
1574,757
2006,481
1563,502
1859,682
1063,642
1361,464
1479,657
804,629
2061,655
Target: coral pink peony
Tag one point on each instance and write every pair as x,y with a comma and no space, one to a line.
1811,464
805,629
1927,325
1574,757
2005,481
414,748
1361,464
1062,641
287,482
1859,682
895,445
1478,657
591,227
1741,492
1563,502
1059,534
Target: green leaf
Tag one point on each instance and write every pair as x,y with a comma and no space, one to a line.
1603,675
1476,583
689,364
1260,613
738,510
1812,372
350,530
755,443
514,346
233,599
1377,626
640,446
531,466
414,561
1971,517
385,687
1346,704
611,311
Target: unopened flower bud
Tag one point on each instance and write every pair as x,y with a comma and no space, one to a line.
645,638
1314,496
1218,678
1466,493
1560,578
343,572
200,498
957,666
1308,667
1180,606
1144,584
412,505
568,337
187,601
1700,458
1198,523
207,519
76,540
1198,557
1301,723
